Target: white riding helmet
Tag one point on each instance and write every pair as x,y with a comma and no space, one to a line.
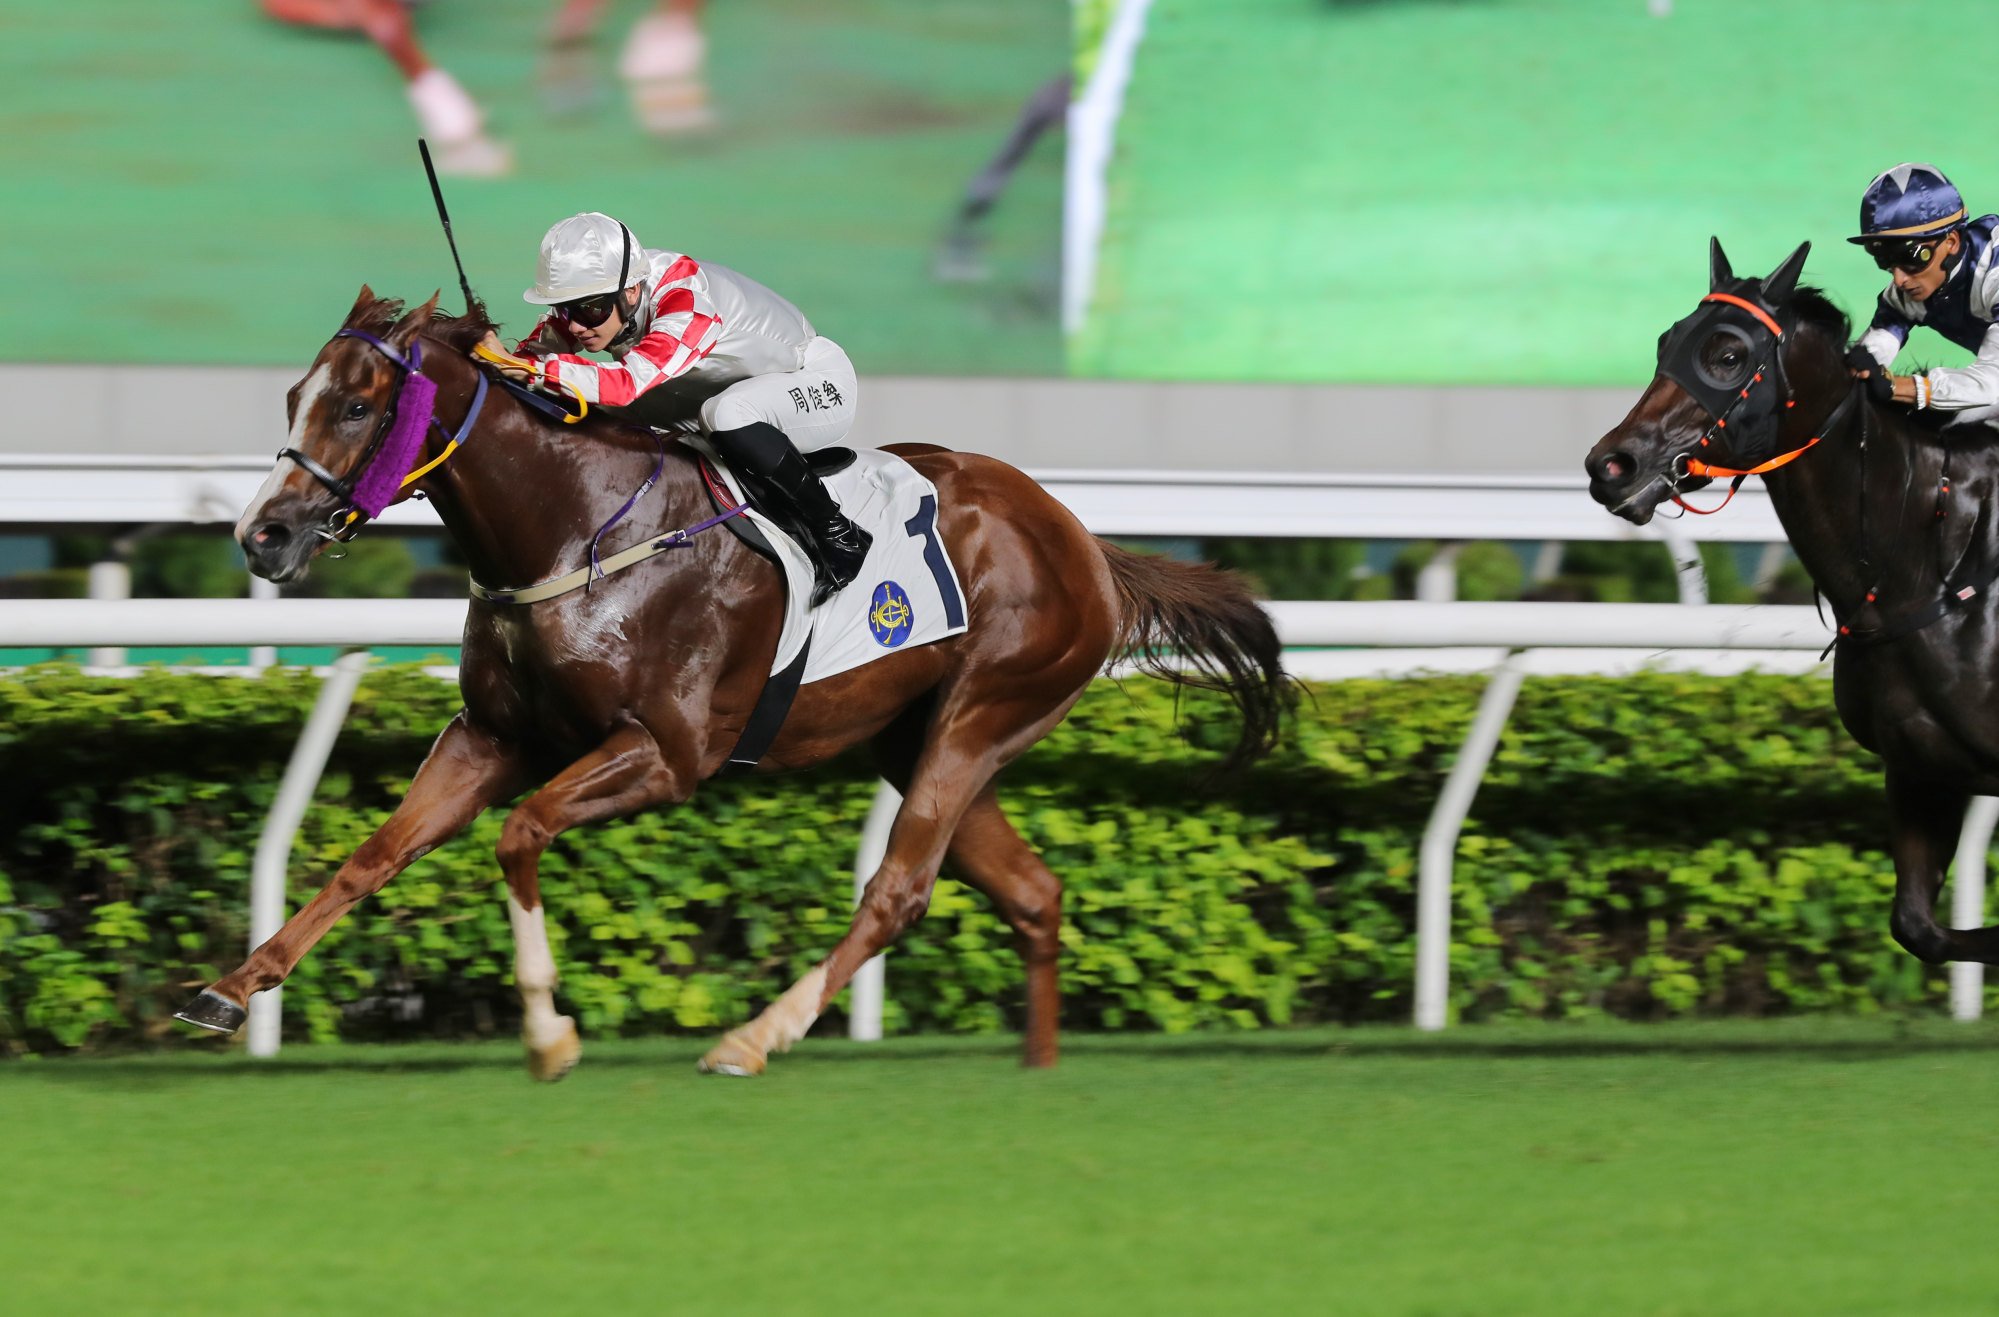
584,255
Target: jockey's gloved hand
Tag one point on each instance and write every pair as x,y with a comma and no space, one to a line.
1862,363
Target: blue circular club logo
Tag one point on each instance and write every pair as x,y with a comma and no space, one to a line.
889,615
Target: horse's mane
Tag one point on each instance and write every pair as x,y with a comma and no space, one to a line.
1821,315
460,332
1818,312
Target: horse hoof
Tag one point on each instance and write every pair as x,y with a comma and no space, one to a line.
211,1010
551,1062
733,1056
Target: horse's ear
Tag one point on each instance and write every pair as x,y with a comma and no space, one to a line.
1718,273
1783,280
361,304
416,321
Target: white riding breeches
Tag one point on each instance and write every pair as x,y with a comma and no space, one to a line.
814,405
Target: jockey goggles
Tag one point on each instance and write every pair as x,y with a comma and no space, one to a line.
1910,256
589,312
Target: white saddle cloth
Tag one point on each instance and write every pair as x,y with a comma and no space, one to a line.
907,592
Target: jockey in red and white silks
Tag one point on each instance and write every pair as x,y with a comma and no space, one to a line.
693,339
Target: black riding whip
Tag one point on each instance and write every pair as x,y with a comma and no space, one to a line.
437,192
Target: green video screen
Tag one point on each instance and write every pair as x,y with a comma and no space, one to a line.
1506,191
211,182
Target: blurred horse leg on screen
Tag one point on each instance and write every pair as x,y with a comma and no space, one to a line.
629,694
663,65
446,114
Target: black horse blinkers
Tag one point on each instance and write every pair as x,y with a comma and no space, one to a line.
1747,401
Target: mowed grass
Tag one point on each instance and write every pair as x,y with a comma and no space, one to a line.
1787,1167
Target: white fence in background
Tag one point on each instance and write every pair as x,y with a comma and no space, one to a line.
1516,633
64,489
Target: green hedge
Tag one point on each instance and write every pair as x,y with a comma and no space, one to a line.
1650,846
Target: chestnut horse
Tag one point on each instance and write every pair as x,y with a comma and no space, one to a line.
1893,520
628,694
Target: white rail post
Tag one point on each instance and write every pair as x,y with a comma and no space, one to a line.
1687,565
274,846
1437,579
109,579
869,987
1440,843
263,656
1967,902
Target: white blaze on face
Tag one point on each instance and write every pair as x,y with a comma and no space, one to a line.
308,397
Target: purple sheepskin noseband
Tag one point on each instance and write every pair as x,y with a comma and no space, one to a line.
415,403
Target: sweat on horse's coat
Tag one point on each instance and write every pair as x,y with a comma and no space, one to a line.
610,726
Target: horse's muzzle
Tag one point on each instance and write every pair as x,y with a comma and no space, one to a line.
277,553
1615,482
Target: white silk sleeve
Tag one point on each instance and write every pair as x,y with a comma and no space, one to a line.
1959,388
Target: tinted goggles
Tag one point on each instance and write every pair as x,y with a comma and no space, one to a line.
589,312
1910,257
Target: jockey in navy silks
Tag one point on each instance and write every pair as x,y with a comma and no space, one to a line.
1913,223
697,345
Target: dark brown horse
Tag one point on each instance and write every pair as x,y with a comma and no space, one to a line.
629,694
1893,519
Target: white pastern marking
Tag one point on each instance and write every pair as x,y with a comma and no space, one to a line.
534,973
308,396
785,1021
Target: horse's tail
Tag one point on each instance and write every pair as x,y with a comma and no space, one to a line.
1194,624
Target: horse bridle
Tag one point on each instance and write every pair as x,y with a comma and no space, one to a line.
1679,361
340,524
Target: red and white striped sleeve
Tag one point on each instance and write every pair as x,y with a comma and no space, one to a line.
684,329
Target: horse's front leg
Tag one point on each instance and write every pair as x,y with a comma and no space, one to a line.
628,771
464,773
1925,817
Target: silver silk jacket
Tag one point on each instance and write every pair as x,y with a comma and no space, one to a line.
699,328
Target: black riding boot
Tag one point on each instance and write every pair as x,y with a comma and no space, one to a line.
766,458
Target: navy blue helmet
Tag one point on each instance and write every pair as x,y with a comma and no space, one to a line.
1910,201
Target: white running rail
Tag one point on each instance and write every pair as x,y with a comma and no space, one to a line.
1513,630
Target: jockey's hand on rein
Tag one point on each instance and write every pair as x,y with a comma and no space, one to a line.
1880,387
524,372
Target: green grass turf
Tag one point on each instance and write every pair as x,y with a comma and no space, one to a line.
195,182
1511,191
1756,1168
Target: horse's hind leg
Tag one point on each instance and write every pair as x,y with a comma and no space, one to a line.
626,772
464,773
989,854
973,735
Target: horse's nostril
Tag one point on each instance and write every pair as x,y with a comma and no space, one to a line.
1616,467
270,536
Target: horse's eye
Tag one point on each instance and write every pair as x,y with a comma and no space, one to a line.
356,410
